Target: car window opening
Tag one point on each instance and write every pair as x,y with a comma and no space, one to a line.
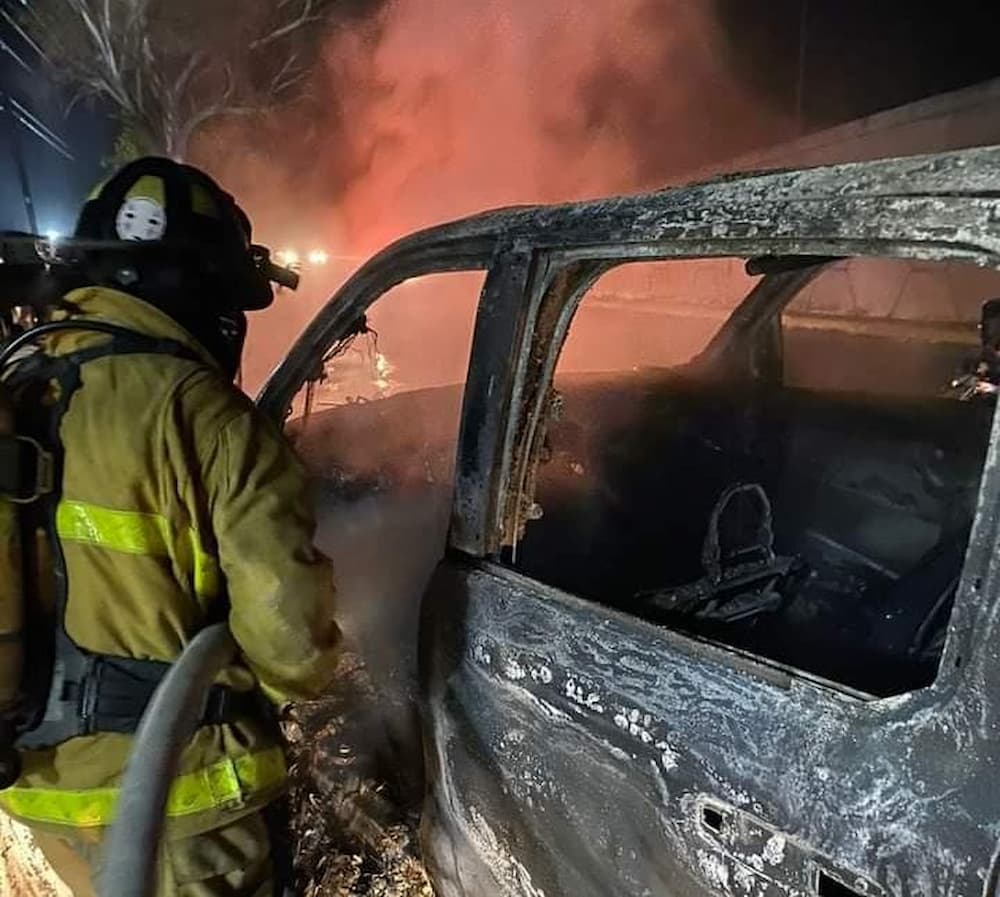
814,511
828,886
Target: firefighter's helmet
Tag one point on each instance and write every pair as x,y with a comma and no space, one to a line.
196,260
188,217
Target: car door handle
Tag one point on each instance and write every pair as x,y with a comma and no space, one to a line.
754,854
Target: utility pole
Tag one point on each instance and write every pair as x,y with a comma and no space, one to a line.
22,171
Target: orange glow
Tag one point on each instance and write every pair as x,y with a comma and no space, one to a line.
435,109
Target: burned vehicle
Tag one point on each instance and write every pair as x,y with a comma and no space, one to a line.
717,616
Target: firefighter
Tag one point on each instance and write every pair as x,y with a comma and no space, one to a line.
177,504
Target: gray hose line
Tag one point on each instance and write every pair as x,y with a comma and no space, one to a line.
132,847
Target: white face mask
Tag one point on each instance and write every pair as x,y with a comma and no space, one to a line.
140,219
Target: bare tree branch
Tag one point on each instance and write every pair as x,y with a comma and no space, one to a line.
304,18
170,66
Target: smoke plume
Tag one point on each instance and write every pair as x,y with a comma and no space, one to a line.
430,109
420,111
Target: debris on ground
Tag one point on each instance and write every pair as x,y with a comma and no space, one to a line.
353,822
24,870
354,825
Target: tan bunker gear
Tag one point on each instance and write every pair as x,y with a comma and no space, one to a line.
180,504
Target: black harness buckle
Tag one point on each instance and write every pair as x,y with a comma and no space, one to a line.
27,471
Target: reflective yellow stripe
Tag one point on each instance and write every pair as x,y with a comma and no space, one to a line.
228,783
207,575
134,532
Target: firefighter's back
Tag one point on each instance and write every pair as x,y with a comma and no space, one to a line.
142,572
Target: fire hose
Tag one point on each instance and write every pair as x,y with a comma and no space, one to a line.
170,720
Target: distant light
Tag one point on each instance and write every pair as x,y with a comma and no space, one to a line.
318,257
287,257
53,235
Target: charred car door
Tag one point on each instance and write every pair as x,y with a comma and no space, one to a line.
580,740
581,749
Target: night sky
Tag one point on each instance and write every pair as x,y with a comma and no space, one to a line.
57,184
861,56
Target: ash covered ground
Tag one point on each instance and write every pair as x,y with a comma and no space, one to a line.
354,817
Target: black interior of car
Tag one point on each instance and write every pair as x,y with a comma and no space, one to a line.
847,516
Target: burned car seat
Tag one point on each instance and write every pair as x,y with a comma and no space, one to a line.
743,579
838,550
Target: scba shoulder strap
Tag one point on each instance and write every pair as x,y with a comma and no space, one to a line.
69,691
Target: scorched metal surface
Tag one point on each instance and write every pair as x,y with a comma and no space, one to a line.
575,750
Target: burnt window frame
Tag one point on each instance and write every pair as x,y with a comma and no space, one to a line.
935,208
519,276
571,273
